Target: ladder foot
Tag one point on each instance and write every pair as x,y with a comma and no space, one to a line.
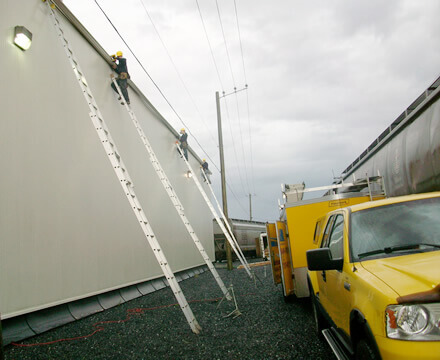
197,326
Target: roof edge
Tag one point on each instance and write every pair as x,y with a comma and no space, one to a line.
64,10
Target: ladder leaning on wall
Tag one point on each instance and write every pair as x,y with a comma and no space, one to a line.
172,194
229,234
123,176
225,221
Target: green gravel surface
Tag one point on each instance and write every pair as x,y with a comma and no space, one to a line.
269,327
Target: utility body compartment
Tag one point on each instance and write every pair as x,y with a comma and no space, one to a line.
300,225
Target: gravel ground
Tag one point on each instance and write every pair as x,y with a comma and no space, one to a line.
269,328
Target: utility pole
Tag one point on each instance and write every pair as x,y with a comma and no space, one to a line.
223,177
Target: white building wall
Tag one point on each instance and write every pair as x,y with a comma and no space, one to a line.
66,228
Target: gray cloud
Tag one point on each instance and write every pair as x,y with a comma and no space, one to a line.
325,79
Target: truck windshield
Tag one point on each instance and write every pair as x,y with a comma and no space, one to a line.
396,229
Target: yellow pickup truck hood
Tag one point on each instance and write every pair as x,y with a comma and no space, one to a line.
407,274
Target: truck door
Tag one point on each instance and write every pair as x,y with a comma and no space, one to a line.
336,295
322,275
333,239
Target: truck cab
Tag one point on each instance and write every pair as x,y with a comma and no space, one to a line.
374,279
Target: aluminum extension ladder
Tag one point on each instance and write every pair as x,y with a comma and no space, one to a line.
225,220
173,195
231,239
123,176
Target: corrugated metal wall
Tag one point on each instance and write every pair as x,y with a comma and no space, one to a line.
407,153
66,228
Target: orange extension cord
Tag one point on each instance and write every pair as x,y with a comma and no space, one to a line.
98,326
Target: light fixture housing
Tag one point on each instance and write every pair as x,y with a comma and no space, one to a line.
22,37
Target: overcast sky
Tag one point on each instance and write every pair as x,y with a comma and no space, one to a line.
324,78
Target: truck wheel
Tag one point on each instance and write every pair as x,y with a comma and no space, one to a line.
365,351
320,323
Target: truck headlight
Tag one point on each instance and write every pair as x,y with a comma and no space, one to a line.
413,322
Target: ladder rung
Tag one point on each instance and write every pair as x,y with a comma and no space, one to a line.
104,136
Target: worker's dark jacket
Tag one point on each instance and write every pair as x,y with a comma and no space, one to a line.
183,140
121,68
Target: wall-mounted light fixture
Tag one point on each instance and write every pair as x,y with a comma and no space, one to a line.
189,174
22,37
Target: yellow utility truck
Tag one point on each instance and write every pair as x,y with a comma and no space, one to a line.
298,227
375,279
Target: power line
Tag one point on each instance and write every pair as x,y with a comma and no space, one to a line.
157,86
241,45
184,85
210,47
165,98
177,70
242,141
238,201
247,95
226,44
233,79
221,84
250,142
233,144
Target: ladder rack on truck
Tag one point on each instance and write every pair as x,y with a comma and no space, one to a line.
297,228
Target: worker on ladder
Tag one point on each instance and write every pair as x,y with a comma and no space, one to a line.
207,172
120,66
184,142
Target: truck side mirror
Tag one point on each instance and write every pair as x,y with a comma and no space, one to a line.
321,259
